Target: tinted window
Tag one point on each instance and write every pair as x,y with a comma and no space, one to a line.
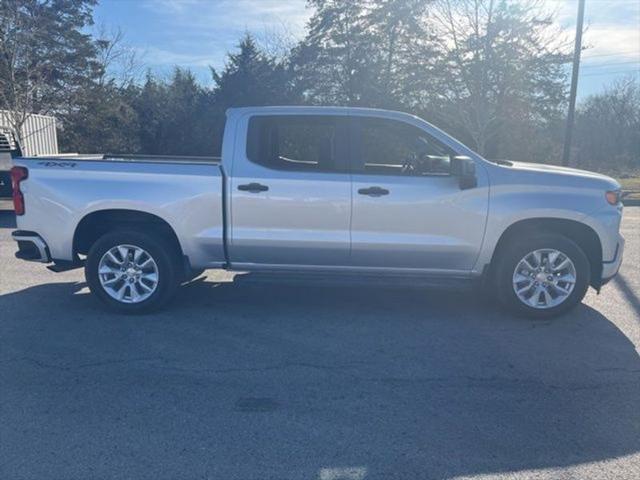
301,142
389,147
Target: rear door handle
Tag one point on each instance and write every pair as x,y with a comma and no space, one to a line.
253,187
374,191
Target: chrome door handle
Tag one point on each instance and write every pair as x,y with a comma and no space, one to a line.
253,187
374,191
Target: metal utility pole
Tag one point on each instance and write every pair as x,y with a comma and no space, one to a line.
574,85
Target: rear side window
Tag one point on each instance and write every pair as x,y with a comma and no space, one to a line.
297,142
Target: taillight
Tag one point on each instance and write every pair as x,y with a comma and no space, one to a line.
18,174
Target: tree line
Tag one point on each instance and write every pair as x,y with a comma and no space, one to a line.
490,72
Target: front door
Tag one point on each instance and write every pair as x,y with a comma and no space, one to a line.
408,211
291,192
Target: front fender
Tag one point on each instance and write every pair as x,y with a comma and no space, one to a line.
509,206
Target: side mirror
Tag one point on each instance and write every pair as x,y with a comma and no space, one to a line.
465,169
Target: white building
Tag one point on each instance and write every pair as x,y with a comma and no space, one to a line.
39,134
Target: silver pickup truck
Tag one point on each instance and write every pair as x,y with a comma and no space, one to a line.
327,191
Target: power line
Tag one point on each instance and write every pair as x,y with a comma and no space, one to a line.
636,62
634,52
610,73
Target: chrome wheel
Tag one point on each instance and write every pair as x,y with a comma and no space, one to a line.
129,274
544,278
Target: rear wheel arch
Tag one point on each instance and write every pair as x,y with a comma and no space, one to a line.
583,235
98,223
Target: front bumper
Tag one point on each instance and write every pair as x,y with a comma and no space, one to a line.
610,268
31,247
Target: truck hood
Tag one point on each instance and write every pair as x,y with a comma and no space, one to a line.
571,174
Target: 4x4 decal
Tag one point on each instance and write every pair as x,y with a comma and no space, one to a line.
58,164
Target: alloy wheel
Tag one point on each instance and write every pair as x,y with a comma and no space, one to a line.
544,278
128,273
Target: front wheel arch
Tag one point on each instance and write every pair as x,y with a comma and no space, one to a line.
583,235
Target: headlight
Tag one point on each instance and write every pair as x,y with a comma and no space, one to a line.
613,197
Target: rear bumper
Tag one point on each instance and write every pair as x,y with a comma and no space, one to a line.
31,247
610,268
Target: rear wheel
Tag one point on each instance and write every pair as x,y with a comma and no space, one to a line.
543,275
131,271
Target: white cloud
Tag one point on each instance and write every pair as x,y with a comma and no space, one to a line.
612,28
159,56
231,14
199,33
609,41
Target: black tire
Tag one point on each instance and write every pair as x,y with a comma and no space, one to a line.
516,250
162,253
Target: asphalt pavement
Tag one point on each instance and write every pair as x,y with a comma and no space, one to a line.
244,380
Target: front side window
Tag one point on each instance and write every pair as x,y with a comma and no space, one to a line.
295,142
390,147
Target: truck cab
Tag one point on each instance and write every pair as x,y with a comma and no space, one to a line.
355,188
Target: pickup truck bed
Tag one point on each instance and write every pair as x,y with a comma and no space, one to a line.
184,192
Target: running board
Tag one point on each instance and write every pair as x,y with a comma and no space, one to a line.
342,279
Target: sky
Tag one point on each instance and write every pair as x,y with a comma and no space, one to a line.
197,34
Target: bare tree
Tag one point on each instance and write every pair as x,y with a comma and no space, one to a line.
503,62
608,129
118,62
277,42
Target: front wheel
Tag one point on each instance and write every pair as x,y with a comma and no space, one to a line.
542,275
131,271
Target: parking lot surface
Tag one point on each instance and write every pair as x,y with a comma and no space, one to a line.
246,380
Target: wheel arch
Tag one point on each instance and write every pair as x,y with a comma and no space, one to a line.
583,235
95,224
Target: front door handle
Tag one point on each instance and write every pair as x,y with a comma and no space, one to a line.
253,187
374,191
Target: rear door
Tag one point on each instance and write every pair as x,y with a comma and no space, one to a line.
290,191
408,211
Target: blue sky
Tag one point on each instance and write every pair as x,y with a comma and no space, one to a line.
198,33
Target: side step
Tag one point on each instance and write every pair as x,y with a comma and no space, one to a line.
343,279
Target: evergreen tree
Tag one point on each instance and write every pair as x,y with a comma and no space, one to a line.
403,51
103,121
175,117
333,64
250,77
